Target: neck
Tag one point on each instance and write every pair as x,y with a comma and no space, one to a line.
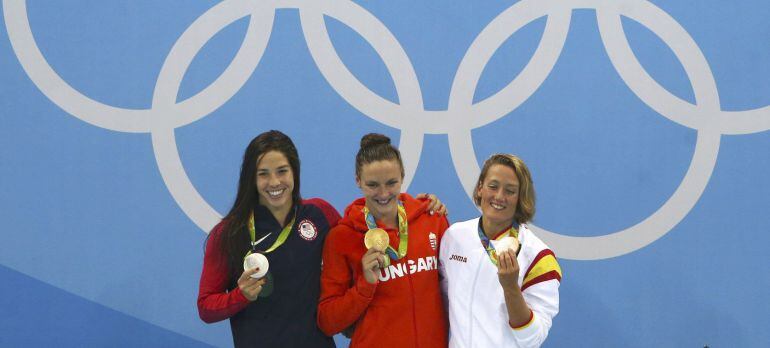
390,221
280,214
492,228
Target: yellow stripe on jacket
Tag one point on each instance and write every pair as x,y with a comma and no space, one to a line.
544,267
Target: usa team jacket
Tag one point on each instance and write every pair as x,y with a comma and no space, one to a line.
477,313
287,318
404,308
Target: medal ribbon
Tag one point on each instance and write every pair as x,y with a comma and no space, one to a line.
512,232
403,234
278,242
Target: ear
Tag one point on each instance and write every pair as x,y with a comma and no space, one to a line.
477,192
358,181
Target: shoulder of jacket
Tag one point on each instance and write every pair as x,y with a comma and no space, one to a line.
342,231
531,240
460,230
317,202
325,207
464,225
218,228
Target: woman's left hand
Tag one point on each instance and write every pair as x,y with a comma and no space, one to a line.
508,270
435,205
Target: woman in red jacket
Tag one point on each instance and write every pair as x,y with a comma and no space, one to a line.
389,294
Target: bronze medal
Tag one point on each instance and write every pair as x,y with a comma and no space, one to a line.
506,243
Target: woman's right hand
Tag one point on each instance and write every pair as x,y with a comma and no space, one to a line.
250,287
371,262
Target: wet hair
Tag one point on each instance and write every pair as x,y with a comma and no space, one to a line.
236,239
525,207
376,147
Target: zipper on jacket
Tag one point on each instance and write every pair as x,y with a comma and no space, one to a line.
473,293
414,312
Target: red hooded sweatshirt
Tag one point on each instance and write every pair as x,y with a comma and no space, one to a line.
404,308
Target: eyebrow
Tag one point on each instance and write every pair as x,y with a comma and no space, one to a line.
267,170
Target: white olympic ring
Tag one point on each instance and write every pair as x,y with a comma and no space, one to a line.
167,113
697,176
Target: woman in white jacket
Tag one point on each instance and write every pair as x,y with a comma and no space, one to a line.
500,281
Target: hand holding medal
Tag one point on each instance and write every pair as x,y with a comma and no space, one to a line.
508,269
258,261
251,287
376,241
371,263
506,242
502,253
256,266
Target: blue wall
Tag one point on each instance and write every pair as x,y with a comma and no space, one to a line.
645,125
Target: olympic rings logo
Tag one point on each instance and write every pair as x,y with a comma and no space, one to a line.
165,114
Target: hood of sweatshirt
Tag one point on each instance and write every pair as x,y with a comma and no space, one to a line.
354,216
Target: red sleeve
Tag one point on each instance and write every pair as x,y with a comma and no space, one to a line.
215,303
331,214
342,301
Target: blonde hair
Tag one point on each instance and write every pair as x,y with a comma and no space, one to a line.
525,207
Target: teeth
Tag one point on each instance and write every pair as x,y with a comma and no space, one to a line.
381,201
497,206
275,193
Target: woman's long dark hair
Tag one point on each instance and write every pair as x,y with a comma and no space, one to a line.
235,237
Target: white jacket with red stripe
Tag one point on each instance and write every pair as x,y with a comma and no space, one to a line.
477,313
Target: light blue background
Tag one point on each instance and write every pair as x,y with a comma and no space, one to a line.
95,251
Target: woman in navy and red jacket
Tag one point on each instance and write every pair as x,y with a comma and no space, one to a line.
268,189
392,298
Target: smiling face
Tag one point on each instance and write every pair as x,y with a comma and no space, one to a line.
380,182
275,182
499,196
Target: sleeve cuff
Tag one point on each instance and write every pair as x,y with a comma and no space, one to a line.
524,325
364,288
238,296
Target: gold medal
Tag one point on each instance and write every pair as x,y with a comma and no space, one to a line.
377,239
